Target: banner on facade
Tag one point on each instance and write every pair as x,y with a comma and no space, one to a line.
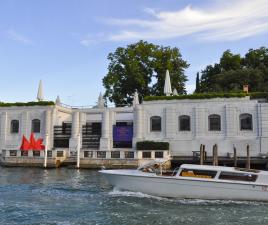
122,133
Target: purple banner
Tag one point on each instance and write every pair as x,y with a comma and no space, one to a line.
123,133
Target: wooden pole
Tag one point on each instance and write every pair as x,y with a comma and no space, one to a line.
204,153
235,157
78,152
201,154
248,158
213,156
216,155
45,156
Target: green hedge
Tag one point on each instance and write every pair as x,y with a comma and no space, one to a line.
253,95
43,103
152,145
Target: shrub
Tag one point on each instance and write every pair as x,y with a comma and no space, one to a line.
253,95
152,145
43,103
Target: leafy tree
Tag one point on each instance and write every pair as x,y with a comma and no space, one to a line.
233,71
142,66
229,61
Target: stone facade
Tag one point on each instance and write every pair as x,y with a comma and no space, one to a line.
182,142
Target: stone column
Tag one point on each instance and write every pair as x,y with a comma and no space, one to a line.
104,141
47,129
112,122
26,125
138,122
3,130
75,131
170,122
52,124
201,122
75,124
231,122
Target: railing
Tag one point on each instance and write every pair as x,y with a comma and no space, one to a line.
117,154
89,154
36,154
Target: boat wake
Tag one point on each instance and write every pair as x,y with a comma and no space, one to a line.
119,193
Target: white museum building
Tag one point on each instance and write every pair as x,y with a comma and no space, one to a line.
103,132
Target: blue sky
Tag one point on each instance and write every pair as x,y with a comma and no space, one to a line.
66,42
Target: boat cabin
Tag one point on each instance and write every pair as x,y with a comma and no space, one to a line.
206,172
218,172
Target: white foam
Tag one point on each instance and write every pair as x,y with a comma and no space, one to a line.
117,192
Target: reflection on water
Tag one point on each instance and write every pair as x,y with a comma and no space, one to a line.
66,196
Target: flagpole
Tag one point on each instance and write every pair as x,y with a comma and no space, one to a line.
46,146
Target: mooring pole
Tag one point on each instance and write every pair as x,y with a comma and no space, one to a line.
46,147
248,158
235,157
215,155
204,153
78,152
201,154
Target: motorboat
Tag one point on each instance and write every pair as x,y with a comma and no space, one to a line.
192,181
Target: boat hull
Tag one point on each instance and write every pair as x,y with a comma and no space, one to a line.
184,188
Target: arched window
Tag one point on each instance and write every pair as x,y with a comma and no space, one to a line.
245,121
184,123
36,126
14,126
155,123
214,122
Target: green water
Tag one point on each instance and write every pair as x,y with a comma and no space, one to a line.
66,196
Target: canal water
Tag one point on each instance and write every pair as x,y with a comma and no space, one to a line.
67,196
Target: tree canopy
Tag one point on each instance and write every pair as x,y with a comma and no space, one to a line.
142,66
234,71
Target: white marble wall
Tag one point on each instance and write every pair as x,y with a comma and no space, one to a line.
185,142
181,142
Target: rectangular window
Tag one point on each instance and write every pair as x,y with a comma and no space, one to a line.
184,123
214,123
14,126
101,154
24,153
59,153
155,123
36,153
238,176
158,155
96,128
146,155
49,154
13,153
88,154
129,155
115,154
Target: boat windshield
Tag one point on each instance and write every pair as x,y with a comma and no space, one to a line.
208,174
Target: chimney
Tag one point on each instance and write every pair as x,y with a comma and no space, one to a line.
245,88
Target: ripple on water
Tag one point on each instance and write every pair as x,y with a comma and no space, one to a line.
77,198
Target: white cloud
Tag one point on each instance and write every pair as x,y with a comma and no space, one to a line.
90,39
225,20
15,36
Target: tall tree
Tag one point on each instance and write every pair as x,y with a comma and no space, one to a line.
197,83
233,71
142,66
